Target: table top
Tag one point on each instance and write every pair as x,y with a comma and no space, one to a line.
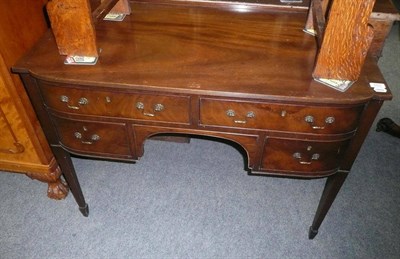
259,53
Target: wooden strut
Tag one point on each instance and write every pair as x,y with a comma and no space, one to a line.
73,23
345,40
315,24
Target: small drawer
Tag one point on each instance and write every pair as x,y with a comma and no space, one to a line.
280,117
98,138
85,101
303,158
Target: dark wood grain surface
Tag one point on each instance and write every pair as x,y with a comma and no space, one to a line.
256,53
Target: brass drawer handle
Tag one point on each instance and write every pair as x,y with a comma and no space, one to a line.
297,156
231,113
94,138
310,120
156,108
82,101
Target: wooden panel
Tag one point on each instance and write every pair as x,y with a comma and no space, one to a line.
30,24
386,7
9,142
382,18
25,17
346,40
15,132
381,31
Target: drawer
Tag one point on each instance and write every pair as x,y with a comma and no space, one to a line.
86,101
280,117
98,138
303,158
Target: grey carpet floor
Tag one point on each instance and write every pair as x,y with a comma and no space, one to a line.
196,201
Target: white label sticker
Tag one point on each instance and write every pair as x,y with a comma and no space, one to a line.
378,87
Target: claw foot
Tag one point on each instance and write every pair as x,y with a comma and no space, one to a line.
57,190
389,126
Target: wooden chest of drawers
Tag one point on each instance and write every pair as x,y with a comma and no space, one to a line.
165,70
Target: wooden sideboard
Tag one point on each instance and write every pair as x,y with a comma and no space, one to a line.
243,75
23,146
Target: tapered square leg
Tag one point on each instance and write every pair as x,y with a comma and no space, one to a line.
332,187
64,160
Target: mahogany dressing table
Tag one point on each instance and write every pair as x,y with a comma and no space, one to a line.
242,73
